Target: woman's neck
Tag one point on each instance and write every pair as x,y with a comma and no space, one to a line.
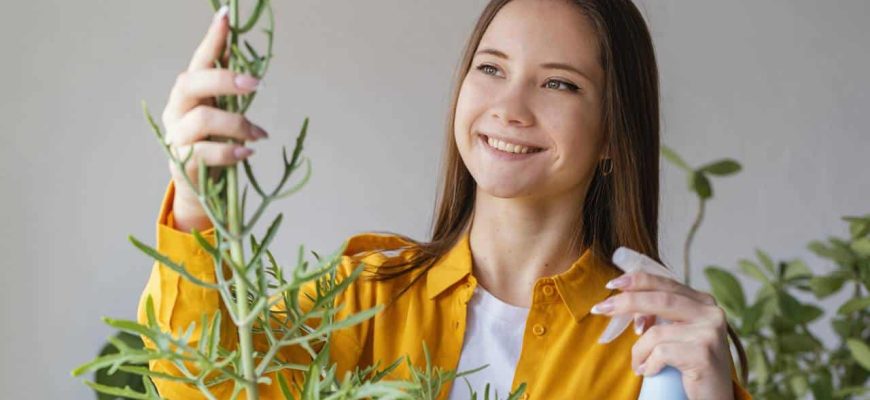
514,243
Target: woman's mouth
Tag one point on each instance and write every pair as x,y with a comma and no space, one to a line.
507,151
508,147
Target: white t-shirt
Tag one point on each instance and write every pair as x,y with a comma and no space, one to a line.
494,336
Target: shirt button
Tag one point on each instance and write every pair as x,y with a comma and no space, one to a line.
539,329
548,290
525,395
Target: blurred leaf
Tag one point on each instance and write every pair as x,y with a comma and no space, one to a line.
809,313
701,185
797,343
789,306
841,326
799,384
854,304
727,290
765,260
824,286
822,384
674,158
722,167
861,246
850,391
751,269
858,226
860,351
796,269
752,317
758,364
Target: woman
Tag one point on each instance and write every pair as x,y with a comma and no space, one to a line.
551,164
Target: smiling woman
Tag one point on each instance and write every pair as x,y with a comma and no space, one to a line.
551,164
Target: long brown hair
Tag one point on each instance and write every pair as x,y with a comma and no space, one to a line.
620,208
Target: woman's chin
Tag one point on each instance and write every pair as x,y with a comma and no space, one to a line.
504,188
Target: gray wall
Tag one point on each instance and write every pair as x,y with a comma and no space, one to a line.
777,85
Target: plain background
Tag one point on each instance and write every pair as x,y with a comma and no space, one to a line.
778,85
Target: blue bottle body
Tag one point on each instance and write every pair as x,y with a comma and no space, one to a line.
666,385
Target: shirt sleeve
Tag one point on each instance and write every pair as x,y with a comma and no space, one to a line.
179,302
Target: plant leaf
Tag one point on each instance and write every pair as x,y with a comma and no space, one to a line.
796,269
824,286
853,305
701,185
860,351
727,290
675,158
722,167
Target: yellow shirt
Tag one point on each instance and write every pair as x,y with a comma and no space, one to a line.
560,358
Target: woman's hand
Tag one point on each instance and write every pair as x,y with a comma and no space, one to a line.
695,343
191,119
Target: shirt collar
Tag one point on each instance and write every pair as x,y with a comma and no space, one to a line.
580,286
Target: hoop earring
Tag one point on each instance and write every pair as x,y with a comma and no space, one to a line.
606,167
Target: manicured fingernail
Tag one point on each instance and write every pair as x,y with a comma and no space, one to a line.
638,325
257,132
247,82
622,281
221,12
605,306
242,152
640,368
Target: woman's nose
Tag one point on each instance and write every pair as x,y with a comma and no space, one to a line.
511,106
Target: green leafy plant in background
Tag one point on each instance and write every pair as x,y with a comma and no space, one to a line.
256,286
786,359
699,183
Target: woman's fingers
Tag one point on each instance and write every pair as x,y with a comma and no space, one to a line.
691,338
193,88
211,153
212,44
642,281
667,305
204,121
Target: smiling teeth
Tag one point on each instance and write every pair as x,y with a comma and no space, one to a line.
510,147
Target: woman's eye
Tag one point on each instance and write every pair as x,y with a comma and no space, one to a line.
570,87
486,67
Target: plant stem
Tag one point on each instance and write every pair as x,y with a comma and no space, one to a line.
692,231
236,247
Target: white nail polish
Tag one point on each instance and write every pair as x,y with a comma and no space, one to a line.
221,12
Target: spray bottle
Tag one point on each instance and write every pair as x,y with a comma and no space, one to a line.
668,383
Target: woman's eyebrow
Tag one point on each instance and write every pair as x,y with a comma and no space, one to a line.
549,65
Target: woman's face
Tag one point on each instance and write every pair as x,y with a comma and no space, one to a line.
515,92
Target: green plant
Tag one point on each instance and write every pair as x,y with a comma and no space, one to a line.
699,183
258,284
786,359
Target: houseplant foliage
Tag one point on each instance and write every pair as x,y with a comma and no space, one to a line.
786,359
259,297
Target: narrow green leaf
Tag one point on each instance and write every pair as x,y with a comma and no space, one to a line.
853,305
722,167
766,261
750,268
675,158
125,392
179,268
